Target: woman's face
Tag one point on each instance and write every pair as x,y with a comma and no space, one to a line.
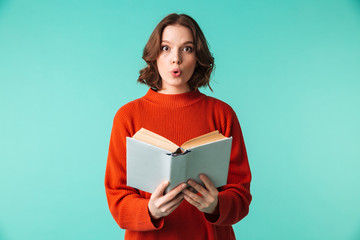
177,60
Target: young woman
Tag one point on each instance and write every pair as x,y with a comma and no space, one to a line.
178,63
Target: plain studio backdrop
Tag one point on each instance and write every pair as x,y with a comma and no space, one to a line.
290,69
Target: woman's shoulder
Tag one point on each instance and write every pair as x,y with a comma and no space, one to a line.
219,105
129,109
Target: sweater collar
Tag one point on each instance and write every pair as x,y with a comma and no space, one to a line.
174,100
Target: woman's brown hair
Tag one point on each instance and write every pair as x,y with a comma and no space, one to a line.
204,64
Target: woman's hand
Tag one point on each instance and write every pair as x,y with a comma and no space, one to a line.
207,201
161,205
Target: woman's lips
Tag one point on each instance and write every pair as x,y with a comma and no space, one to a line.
176,72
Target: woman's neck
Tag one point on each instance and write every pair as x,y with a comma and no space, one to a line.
174,90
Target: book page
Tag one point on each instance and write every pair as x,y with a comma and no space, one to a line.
203,139
155,139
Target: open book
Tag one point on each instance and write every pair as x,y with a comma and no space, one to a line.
151,159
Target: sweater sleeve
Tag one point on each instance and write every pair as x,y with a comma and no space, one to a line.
127,206
234,198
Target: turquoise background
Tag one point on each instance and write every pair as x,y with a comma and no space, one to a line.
290,69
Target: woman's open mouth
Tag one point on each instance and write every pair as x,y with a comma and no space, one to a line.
176,72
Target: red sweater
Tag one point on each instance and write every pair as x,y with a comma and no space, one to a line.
178,118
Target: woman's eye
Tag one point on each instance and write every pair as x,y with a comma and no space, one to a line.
165,48
187,49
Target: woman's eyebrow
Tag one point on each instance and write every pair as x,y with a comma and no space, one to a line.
187,42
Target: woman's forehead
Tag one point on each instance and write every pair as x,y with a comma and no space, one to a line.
177,34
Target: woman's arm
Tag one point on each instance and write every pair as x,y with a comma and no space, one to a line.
234,198
127,206
230,203
131,210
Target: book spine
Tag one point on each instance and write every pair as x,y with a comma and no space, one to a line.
177,171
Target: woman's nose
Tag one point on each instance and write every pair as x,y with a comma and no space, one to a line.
176,58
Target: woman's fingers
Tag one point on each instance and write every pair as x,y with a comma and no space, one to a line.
162,205
175,206
200,189
193,196
166,208
207,200
172,194
159,191
192,202
208,183
192,189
